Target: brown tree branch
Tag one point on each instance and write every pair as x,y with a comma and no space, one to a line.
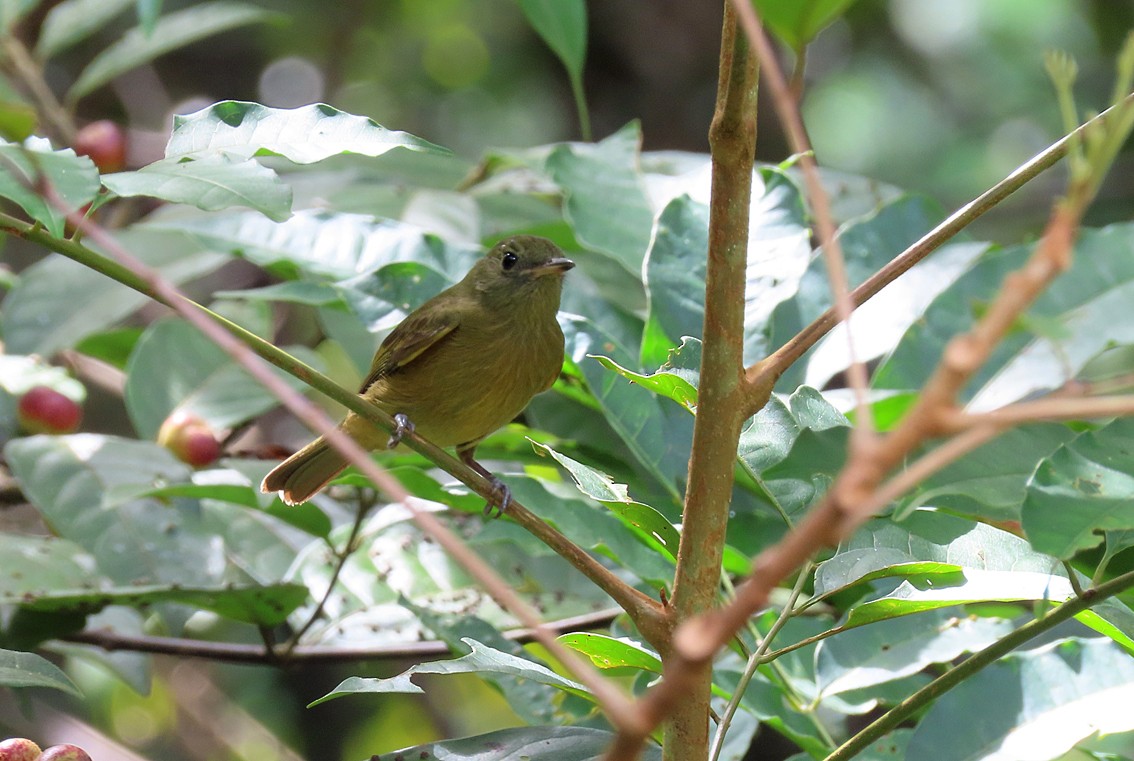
234,652
720,404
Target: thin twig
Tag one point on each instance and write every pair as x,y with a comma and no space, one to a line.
233,652
341,557
787,109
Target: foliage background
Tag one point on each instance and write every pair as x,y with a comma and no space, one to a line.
898,91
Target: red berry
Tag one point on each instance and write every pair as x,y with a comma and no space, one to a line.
105,143
18,749
45,410
190,438
65,752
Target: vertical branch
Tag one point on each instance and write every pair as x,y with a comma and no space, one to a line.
720,407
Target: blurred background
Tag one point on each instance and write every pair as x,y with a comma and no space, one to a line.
941,97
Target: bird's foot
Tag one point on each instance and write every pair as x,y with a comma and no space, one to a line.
402,426
501,498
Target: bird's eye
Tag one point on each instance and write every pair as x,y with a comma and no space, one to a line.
509,260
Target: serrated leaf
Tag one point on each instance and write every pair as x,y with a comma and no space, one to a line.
304,135
210,183
23,167
670,385
18,669
1032,705
170,32
59,302
325,244
72,21
482,659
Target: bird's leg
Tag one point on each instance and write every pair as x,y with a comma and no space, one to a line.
502,495
402,426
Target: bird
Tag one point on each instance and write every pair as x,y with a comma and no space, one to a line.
457,368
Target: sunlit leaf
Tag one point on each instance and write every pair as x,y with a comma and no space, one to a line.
1035,704
304,135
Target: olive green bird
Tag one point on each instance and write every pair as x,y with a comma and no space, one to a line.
458,367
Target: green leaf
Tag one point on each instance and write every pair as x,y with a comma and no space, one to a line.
1036,704
210,183
19,669
172,31
606,199
175,367
1082,489
891,650
608,652
18,120
601,487
73,21
972,586
19,373
22,168
324,244
522,744
563,26
82,485
59,302
927,536
797,22
670,385
991,481
304,135
867,244
657,431
675,268
482,659
1082,302
531,701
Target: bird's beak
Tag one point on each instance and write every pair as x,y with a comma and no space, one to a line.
557,266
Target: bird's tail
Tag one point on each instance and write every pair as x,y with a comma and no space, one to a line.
307,471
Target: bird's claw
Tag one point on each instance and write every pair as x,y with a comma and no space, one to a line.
402,426
501,499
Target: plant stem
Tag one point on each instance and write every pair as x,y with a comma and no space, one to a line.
716,429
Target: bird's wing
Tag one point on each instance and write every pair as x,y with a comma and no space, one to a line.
410,340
